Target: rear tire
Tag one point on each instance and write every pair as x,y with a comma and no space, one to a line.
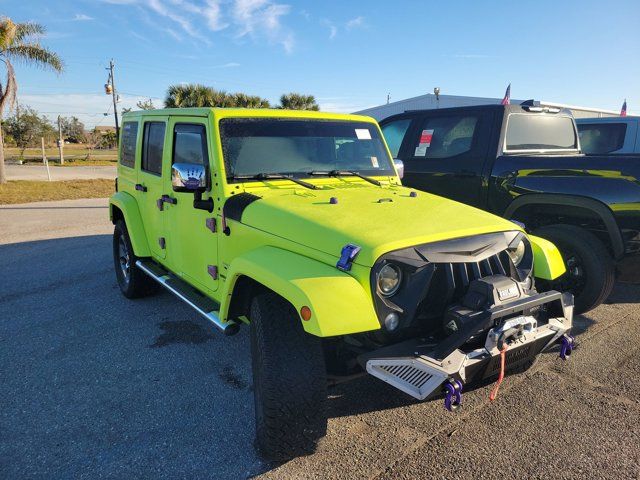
289,380
133,282
590,275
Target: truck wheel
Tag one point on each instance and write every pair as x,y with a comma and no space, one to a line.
133,282
590,272
289,380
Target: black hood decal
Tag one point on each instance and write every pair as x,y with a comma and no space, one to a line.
236,204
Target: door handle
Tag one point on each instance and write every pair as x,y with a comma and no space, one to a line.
165,199
140,187
168,199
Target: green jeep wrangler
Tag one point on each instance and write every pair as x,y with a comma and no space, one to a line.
296,224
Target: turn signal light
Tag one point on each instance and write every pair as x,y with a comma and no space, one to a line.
305,313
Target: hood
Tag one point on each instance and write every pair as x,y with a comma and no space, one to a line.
376,219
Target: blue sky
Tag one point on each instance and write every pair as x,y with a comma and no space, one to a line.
349,54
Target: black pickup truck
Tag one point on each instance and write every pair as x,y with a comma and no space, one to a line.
524,162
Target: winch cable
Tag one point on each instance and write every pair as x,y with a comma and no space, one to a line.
496,387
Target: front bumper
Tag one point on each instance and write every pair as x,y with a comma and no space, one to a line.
420,368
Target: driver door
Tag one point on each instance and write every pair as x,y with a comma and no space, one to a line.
192,247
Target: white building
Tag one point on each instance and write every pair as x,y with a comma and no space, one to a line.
430,101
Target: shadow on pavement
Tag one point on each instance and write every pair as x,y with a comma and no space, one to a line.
99,385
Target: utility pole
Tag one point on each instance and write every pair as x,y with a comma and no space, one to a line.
110,87
60,141
388,98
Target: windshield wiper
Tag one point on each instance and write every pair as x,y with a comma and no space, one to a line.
274,176
345,173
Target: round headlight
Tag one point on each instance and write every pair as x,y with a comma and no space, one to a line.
389,278
517,253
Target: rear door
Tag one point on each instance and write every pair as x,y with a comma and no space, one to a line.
444,154
153,172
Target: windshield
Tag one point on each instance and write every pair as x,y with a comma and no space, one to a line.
297,147
540,132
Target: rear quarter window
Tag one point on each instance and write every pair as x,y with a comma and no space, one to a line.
600,138
129,141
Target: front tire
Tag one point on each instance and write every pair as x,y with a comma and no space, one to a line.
289,380
590,274
133,282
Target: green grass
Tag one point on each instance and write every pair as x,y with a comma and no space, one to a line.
74,155
26,191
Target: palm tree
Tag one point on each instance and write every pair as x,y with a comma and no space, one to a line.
249,101
19,43
196,95
191,95
298,101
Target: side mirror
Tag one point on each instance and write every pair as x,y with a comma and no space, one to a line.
399,164
188,177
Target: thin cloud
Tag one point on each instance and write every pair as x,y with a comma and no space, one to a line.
256,19
357,22
333,29
262,19
213,14
173,33
81,17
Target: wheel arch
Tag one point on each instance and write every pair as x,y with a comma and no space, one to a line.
301,281
122,206
557,208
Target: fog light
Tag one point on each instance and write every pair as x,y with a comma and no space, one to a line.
391,322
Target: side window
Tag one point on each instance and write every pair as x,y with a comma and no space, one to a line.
394,133
190,144
152,147
129,139
444,137
602,137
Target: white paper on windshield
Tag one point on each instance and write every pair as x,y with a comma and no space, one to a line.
363,134
425,142
421,151
374,162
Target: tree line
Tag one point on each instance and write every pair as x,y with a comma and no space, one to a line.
26,126
197,95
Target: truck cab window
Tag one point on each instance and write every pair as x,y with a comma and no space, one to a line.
152,147
190,144
444,137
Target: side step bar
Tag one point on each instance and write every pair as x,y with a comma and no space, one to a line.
189,295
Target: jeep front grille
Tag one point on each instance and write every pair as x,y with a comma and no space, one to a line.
460,275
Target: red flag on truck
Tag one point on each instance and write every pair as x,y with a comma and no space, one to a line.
507,96
623,112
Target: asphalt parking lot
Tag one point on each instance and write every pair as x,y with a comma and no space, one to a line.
96,386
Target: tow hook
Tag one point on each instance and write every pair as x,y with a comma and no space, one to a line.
567,344
453,395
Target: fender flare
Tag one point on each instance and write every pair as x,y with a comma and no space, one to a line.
339,303
547,261
600,209
132,218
